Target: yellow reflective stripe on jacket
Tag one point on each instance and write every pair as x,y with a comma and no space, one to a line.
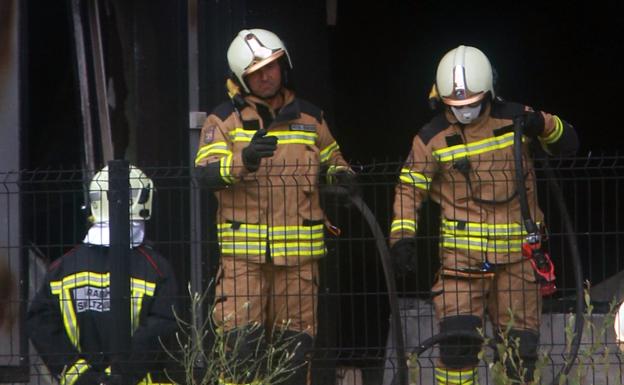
243,239
62,290
139,288
225,169
283,137
403,225
247,231
251,239
315,232
243,247
327,152
71,375
476,229
412,178
217,148
556,134
241,135
294,137
302,248
482,146
456,377
262,232
482,244
278,249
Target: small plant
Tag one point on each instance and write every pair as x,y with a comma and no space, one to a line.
585,359
206,353
507,349
506,367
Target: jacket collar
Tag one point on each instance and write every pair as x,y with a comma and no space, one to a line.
289,111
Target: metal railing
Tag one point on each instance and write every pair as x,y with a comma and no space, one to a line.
45,214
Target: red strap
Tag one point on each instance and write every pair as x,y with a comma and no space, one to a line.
150,260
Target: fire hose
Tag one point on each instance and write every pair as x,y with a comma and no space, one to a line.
533,246
386,262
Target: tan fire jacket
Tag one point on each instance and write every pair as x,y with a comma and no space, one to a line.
469,170
277,206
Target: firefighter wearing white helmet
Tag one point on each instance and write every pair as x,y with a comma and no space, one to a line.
70,332
464,79
141,190
268,136
253,49
463,160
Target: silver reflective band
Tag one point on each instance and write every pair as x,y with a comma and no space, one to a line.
466,114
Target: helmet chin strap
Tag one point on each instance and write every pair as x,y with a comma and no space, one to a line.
466,114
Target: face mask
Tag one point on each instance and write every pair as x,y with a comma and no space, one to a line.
466,114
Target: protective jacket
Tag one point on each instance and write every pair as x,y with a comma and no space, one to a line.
275,211
70,320
469,170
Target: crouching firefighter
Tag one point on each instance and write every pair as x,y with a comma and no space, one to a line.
463,159
70,321
262,153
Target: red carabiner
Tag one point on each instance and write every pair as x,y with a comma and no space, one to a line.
542,266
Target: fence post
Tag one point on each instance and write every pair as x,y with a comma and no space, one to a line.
119,253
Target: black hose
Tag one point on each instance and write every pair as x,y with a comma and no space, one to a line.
387,265
571,239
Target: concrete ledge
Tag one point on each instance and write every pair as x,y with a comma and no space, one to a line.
600,362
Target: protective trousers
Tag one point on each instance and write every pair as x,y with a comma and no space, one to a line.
266,294
274,302
510,297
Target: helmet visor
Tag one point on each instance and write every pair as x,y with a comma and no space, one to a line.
450,101
261,62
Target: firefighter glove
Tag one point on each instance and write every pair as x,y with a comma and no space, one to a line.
404,256
348,181
532,123
261,146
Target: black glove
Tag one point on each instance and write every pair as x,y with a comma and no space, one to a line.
348,181
347,187
404,256
532,123
261,146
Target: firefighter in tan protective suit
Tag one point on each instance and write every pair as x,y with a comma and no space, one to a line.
262,152
463,160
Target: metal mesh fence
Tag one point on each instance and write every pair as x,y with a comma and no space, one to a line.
288,250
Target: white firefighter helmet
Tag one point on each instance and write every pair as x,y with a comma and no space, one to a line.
252,49
464,76
141,191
